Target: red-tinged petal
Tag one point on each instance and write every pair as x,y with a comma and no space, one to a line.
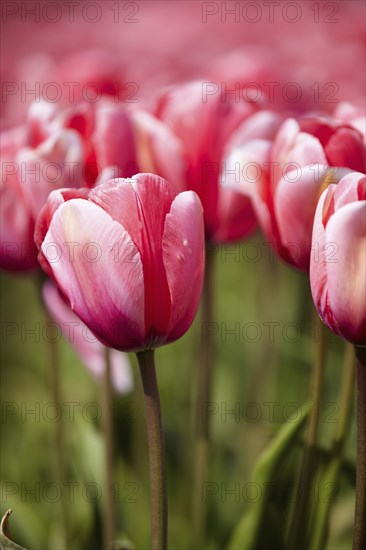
118,198
99,269
183,254
159,151
237,218
320,127
296,199
134,201
141,204
113,139
89,349
155,197
346,231
346,148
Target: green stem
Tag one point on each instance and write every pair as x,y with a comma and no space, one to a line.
300,516
107,416
58,435
331,475
159,503
359,532
203,396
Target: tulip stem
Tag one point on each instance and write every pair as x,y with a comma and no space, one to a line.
359,532
309,462
107,421
203,396
159,502
331,474
58,443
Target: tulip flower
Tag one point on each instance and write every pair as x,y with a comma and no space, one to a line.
207,121
88,348
338,286
292,172
204,121
130,264
134,272
338,263
28,175
76,147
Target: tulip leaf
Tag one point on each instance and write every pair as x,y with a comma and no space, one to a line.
247,532
5,542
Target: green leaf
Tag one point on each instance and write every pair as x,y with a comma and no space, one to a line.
5,542
247,532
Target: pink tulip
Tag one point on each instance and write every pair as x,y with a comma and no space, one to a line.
90,350
128,258
28,176
82,145
112,137
292,172
205,121
338,261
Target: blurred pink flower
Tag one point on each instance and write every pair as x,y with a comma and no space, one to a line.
74,147
206,121
338,260
88,348
289,175
28,175
308,44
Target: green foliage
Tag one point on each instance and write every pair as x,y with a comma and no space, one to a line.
249,374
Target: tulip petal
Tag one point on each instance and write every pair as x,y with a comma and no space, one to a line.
346,230
295,204
159,150
17,251
261,125
55,199
204,123
345,148
113,139
89,349
56,163
237,218
155,197
318,264
99,269
293,149
184,260
349,189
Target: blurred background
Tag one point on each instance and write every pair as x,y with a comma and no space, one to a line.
263,331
